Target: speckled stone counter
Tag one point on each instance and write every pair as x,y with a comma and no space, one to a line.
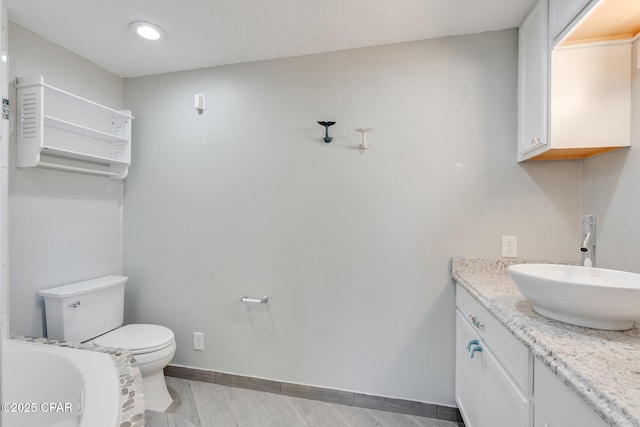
131,387
602,367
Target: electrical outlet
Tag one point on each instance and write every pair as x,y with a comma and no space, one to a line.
198,341
509,247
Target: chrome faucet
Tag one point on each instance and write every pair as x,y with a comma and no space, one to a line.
588,247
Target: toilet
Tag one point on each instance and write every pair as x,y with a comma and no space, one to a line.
93,311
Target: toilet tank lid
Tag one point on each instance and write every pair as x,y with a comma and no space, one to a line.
79,288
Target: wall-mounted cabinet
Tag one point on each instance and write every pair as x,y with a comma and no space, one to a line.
574,98
59,130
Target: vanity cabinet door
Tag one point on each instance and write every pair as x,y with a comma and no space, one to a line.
469,374
533,73
558,406
505,405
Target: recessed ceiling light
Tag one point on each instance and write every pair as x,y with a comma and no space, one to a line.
146,30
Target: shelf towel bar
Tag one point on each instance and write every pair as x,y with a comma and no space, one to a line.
76,169
263,300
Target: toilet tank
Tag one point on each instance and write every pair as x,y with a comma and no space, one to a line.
81,311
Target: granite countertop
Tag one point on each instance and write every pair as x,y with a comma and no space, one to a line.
131,387
602,367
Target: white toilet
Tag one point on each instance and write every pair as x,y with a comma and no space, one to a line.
93,311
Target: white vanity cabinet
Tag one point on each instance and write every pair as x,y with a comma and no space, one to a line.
500,384
574,94
493,373
470,369
557,406
59,130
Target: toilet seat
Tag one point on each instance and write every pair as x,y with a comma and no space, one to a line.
138,338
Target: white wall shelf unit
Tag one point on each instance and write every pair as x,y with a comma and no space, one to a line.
574,81
60,130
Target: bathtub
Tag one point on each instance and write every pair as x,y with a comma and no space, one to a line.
50,386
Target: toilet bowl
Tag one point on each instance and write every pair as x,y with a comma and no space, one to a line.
92,311
153,347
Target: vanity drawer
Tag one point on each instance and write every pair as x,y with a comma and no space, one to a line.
511,353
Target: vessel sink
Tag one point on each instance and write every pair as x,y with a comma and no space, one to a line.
584,296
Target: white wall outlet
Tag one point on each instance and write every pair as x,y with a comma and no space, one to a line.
198,341
509,247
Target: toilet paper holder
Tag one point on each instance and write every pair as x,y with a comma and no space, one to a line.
263,300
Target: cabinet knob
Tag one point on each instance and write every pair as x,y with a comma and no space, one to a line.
475,321
474,349
472,342
535,141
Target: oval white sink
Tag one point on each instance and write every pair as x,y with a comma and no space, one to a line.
584,296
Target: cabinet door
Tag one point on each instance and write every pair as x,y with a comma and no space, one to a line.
561,13
558,406
505,405
533,81
469,374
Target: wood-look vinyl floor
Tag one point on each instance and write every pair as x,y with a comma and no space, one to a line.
200,404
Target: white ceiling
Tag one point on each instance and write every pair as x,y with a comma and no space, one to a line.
203,33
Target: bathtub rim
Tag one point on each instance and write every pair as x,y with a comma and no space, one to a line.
132,404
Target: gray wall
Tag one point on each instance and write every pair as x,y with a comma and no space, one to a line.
352,248
611,191
64,227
